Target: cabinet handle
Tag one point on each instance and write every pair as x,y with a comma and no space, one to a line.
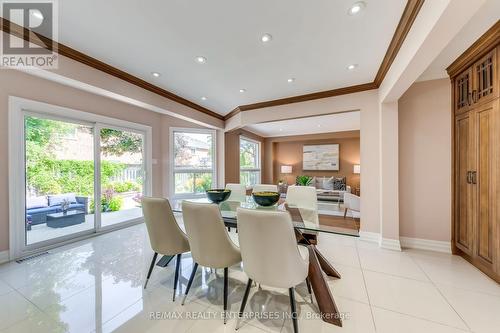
474,177
474,96
469,95
468,177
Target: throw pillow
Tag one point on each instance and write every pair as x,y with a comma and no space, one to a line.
339,184
327,183
56,200
36,202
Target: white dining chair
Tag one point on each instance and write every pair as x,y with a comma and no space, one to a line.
270,253
351,203
238,192
265,188
165,235
210,244
304,197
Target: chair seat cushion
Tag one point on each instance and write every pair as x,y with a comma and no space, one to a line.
304,253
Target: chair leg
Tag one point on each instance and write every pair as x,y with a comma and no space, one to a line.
345,213
308,283
225,293
294,311
244,302
191,278
176,278
150,269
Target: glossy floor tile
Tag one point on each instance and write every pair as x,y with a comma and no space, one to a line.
96,285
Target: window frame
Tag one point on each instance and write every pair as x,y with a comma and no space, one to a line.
173,170
259,159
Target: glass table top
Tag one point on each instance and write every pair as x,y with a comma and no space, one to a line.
304,219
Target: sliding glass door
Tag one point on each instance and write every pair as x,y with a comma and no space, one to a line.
122,175
80,177
59,168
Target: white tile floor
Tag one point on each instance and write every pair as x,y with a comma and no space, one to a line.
96,286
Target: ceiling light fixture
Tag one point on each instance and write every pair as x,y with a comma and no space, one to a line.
266,38
352,66
201,60
203,98
155,74
356,8
290,80
36,13
242,90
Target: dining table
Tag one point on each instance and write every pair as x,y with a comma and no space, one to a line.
305,223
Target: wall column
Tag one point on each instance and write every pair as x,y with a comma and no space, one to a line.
389,176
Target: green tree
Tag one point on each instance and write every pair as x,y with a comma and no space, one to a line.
115,142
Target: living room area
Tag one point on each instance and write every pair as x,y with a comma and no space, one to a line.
321,151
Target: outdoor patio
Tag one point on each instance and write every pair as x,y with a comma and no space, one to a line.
42,232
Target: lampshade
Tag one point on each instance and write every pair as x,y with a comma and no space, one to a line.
356,169
286,169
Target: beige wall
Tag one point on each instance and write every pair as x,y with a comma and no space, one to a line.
288,151
425,161
232,154
15,83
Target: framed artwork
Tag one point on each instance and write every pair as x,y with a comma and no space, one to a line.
321,157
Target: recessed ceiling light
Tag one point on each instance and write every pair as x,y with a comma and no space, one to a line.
352,66
201,60
155,74
290,80
266,38
203,98
281,130
356,8
242,90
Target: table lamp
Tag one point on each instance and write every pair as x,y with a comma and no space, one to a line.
286,170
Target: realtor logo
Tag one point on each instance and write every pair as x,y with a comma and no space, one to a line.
27,21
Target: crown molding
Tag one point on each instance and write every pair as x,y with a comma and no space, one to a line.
408,17
410,13
490,38
64,50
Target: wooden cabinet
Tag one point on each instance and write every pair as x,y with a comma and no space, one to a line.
477,83
476,151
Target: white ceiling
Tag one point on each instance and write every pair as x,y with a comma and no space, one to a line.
313,41
338,122
487,15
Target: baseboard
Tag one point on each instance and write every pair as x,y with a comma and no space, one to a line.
4,257
425,244
390,244
367,236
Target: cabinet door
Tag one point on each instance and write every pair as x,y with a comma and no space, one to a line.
485,81
463,91
487,147
463,187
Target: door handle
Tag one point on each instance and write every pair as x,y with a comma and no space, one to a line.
474,177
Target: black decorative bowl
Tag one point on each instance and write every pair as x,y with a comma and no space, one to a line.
266,199
218,195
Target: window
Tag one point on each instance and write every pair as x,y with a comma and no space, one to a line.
249,162
193,161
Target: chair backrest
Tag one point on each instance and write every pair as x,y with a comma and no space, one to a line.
265,188
302,197
269,248
210,244
352,202
165,235
238,192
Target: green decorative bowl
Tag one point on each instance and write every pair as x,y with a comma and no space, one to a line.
218,195
266,199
